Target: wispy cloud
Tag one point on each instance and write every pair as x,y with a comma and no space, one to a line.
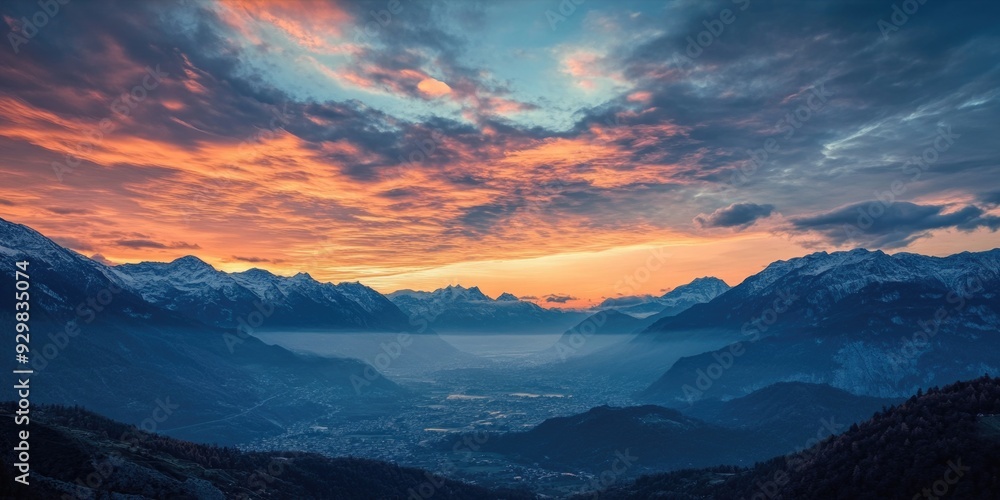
291,135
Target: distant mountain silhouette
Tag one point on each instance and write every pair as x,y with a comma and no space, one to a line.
774,420
698,291
660,438
459,309
942,444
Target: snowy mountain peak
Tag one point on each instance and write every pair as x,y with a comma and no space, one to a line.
707,280
18,239
450,293
257,273
698,291
456,308
850,271
190,262
707,287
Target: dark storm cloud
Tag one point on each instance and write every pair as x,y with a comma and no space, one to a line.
754,82
74,243
886,97
400,193
482,219
559,299
102,259
156,245
740,215
991,199
210,94
897,225
67,210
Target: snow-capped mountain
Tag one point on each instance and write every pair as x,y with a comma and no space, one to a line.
102,344
864,321
619,317
189,287
698,291
822,286
195,289
456,308
62,280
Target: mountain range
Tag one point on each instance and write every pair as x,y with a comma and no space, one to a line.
101,344
459,309
698,291
190,288
768,422
630,315
730,374
195,289
863,321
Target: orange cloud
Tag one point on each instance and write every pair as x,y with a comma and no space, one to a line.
433,88
315,26
641,96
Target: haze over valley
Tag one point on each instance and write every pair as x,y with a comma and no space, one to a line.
502,250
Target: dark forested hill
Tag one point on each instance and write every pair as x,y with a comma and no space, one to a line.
940,444
83,455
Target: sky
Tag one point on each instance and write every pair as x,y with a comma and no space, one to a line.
564,151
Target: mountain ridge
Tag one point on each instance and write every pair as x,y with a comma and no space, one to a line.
697,291
944,439
867,322
455,308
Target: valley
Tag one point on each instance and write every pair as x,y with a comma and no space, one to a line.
500,250
551,402
454,411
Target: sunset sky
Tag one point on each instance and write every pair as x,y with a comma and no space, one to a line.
541,148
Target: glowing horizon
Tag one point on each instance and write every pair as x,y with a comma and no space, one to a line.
416,145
